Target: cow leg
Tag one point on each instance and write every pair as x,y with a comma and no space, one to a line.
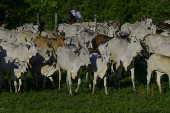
70,82
9,83
87,76
33,78
119,76
115,76
25,79
159,81
67,84
169,80
44,80
98,80
89,82
20,83
110,75
94,83
148,80
15,83
4,84
79,81
36,80
50,77
59,89
1,80
133,78
105,84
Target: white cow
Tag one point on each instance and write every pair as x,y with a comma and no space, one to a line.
163,49
160,64
8,35
154,40
71,58
26,35
86,35
123,54
47,33
12,67
72,30
22,51
99,66
139,29
45,69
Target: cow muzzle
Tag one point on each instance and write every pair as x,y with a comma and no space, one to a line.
37,54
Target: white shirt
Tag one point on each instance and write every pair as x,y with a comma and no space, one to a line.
76,15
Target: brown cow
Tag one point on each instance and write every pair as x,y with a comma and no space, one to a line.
54,42
99,38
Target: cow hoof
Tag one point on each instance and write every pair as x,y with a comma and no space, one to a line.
106,94
92,94
70,95
59,91
75,91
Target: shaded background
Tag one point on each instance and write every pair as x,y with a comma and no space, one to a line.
123,10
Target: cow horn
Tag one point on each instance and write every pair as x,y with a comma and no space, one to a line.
87,44
25,39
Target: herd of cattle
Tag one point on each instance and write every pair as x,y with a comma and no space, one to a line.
99,47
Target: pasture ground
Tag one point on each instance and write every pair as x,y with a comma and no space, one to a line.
37,100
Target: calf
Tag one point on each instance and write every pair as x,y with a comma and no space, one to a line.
12,67
98,66
46,69
160,64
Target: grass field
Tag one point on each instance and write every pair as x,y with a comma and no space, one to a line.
37,100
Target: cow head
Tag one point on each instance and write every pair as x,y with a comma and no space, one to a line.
60,40
148,21
135,46
103,50
145,52
30,48
84,53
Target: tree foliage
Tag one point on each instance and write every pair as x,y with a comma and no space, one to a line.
122,10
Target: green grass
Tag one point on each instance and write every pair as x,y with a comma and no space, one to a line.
37,100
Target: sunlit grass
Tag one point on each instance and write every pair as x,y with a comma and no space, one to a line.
37,100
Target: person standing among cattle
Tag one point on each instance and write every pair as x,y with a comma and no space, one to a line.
76,14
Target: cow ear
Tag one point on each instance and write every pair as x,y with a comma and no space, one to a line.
16,61
87,43
36,45
49,44
32,39
25,39
54,65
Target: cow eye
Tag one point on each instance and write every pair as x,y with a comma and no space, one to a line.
134,41
84,54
